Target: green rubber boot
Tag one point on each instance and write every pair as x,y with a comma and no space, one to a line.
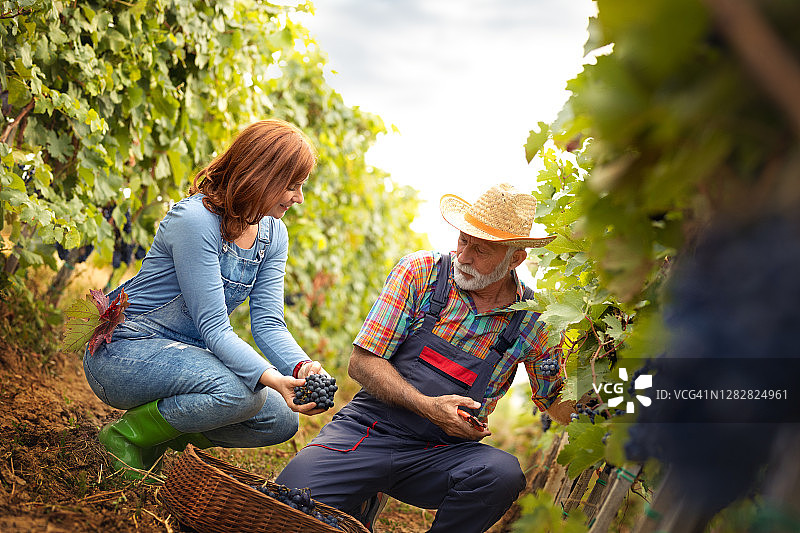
197,439
133,440
153,455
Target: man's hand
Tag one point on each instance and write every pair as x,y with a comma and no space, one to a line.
443,411
380,378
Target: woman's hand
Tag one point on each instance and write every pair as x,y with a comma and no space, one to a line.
311,367
285,385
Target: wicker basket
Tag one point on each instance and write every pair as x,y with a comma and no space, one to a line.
211,496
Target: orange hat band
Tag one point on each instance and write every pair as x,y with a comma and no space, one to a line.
490,230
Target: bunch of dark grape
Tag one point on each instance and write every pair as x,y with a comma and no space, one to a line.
546,421
590,410
636,373
299,499
549,367
125,249
319,389
126,253
123,253
732,306
79,257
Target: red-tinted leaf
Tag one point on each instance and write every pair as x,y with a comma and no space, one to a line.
110,317
113,313
100,300
102,333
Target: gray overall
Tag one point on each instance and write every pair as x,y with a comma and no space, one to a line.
372,447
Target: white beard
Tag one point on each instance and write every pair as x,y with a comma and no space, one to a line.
480,281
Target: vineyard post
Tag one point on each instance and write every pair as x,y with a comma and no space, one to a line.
669,511
557,473
748,32
564,490
624,478
574,498
12,261
599,490
678,517
542,474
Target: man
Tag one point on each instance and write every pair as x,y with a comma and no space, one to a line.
440,342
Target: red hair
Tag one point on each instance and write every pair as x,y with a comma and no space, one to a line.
244,182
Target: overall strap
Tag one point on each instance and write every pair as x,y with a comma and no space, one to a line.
440,293
510,334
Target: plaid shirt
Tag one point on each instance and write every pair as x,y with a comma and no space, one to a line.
401,307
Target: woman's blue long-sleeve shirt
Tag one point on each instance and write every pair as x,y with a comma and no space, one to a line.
185,260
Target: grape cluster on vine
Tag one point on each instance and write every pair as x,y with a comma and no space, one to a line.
299,499
592,409
589,410
125,249
546,421
319,389
82,253
549,367
644,370
733,299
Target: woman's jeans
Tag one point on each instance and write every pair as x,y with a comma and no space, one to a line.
198,392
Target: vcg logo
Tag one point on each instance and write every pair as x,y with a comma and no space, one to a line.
615,389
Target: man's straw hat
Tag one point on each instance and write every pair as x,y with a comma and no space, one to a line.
501,215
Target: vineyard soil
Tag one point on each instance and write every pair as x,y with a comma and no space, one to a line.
54,475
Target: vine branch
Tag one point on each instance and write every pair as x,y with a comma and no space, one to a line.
762,52
18,13
11,127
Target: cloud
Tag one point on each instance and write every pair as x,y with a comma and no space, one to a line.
463,80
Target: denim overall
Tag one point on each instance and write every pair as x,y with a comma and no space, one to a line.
160,355
372,447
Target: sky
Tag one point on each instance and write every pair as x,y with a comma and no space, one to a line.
463,82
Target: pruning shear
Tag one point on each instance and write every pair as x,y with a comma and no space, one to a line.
474,422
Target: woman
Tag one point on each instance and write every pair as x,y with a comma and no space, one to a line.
175,364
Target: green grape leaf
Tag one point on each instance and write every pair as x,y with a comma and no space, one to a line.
18,93
585,447
560,315
59,146
562,244
536,140
614,329
82,319
93,325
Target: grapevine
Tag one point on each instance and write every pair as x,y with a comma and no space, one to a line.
95,150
